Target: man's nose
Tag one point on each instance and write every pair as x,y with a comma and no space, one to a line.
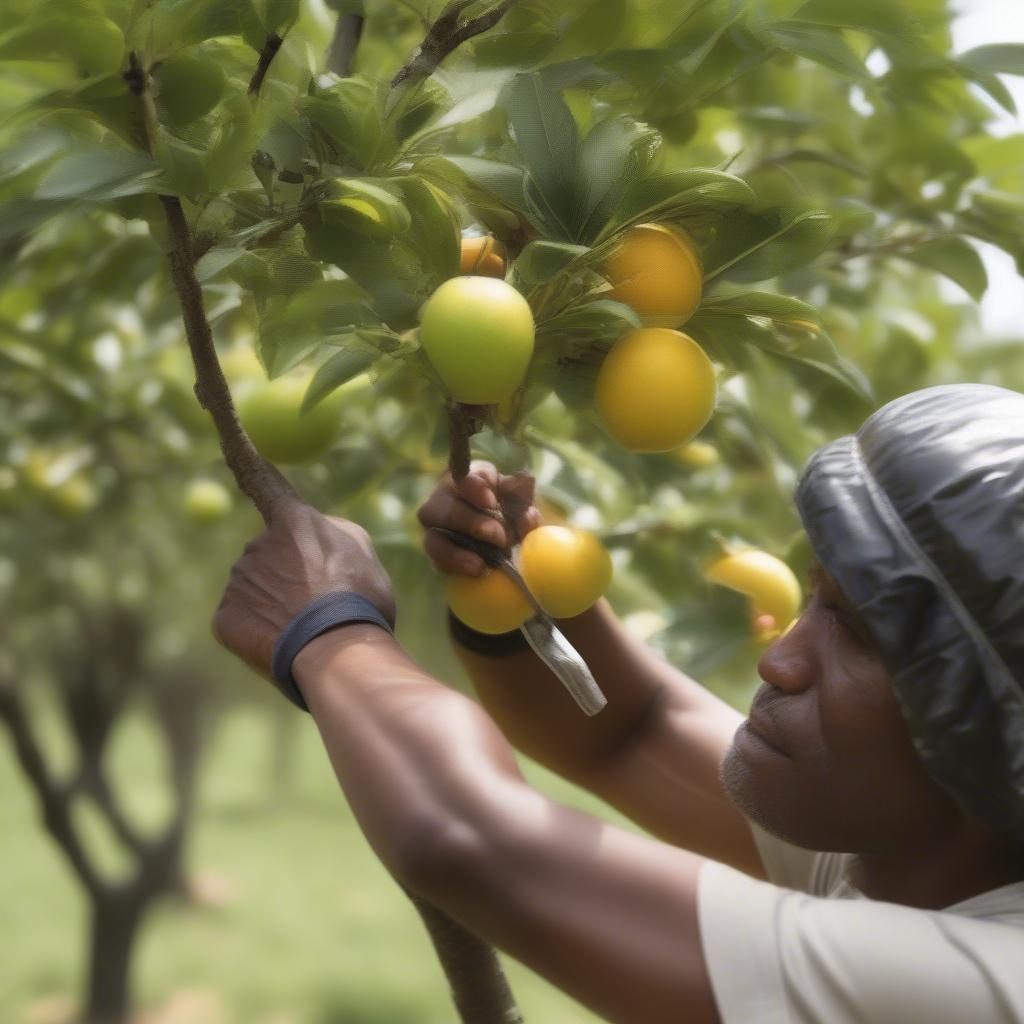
789,664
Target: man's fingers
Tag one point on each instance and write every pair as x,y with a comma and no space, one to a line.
448,511
450,558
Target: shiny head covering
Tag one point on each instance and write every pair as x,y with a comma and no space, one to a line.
919,518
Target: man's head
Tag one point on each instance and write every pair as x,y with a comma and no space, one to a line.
896,704
825,759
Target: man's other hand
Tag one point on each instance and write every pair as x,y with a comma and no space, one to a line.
486,505
301,556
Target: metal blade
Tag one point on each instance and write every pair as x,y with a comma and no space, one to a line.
547,640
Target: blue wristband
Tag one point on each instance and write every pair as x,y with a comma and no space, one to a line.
337,609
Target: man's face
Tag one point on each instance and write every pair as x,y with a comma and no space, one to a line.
825,760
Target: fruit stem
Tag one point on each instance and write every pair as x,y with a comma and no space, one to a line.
460,429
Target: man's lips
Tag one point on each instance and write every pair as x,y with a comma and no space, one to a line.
763,730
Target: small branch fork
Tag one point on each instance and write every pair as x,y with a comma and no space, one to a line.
446,35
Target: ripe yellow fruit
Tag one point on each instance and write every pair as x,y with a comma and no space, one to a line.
771,585
566,569
656,390
482,255
489,604
479,334
271,413
656,270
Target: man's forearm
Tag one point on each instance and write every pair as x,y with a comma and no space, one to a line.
417,761
608,916
540,719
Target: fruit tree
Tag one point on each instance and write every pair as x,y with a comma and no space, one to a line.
654,251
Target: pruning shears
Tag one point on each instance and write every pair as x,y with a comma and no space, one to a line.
546,639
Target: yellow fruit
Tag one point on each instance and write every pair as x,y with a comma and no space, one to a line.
656,270
656,390
773,589
566,569
271,414
489,604
482,255
478,333
697,455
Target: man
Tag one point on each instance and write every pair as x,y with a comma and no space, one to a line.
888,736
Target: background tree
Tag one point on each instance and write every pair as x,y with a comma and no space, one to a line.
836,158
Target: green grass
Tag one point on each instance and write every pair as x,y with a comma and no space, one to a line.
315,930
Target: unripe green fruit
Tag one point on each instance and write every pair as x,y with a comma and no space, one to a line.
189,87
478,333
270,412
207,501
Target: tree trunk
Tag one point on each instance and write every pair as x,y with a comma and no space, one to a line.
115,922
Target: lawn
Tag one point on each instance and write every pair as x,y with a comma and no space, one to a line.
311,929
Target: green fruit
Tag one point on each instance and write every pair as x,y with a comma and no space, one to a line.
207,501
74,497
189,87
271,413
478,333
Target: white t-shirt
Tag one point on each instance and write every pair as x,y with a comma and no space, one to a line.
808,948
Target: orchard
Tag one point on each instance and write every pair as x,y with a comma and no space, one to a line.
653,253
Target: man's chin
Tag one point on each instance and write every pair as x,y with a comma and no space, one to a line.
755,794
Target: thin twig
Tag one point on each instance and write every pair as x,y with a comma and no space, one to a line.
267,55
446,35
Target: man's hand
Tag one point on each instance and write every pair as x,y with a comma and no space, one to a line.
486,505
301,556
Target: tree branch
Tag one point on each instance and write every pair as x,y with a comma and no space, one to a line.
261,482
446,35
267,55
341,54
54,799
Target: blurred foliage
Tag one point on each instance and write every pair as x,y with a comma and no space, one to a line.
832,161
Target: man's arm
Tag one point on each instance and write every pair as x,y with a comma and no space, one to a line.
654,753
605,915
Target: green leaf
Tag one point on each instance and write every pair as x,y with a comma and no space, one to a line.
595,30
821,45
434,231
956,259
541,260
354,359
760,304
188,86
356,204
876,17
768,248
995,59
295,327
100,174
676,194
725,336
347,121
613,156
547,139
